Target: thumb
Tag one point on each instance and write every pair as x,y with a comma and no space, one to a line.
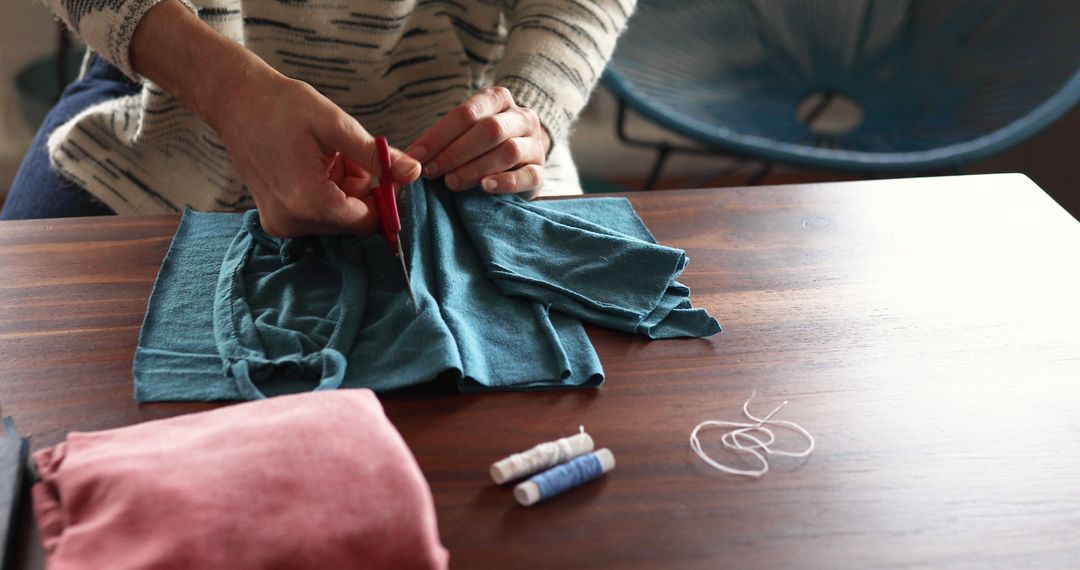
346,135
351,139
405,168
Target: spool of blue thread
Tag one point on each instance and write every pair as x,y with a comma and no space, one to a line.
560,478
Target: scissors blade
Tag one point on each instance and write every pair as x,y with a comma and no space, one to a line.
405,272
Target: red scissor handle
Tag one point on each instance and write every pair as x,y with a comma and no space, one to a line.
385,200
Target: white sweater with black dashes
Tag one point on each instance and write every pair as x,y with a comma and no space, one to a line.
395,65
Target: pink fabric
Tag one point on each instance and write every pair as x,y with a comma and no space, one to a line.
317,480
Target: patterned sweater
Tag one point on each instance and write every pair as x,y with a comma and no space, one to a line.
395,65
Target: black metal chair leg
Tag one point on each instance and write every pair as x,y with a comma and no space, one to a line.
759,176
662,153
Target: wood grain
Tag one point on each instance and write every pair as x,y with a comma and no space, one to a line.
927,331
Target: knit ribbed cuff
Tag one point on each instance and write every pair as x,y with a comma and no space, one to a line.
109,31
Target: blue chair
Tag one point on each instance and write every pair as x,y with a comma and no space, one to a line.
889,86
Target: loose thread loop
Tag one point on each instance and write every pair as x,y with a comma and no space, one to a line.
750,438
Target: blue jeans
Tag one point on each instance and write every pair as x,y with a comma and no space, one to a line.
38,190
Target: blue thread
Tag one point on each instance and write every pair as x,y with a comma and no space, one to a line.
568,475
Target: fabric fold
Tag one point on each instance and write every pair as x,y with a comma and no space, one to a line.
621,281
502,288
274,330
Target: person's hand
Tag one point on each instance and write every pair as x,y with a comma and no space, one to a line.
488,140
308,164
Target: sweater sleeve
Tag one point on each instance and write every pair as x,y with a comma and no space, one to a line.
556,51
107,26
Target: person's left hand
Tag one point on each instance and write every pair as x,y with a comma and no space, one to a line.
488,140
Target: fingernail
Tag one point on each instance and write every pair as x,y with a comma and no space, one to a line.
401,169
490,184
451,181
417,152
431,170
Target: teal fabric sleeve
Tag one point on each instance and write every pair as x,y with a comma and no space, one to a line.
581,268
502,288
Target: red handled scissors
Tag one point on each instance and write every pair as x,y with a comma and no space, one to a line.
386,205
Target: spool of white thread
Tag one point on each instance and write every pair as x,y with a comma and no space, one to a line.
528,493
541,457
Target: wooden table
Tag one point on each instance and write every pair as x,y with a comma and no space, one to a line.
927,331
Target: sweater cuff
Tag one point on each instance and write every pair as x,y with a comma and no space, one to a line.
108,28
555,53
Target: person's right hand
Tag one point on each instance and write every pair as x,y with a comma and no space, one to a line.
308,164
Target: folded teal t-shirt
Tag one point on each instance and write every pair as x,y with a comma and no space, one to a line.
502,286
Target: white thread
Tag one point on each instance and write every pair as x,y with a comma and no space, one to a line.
541,457
747,431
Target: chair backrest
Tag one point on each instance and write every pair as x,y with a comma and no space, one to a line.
924,74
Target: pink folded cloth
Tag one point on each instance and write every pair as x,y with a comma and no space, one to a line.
317,480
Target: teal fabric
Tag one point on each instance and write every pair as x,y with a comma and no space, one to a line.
503,286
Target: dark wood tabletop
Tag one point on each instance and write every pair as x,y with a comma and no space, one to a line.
926,331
